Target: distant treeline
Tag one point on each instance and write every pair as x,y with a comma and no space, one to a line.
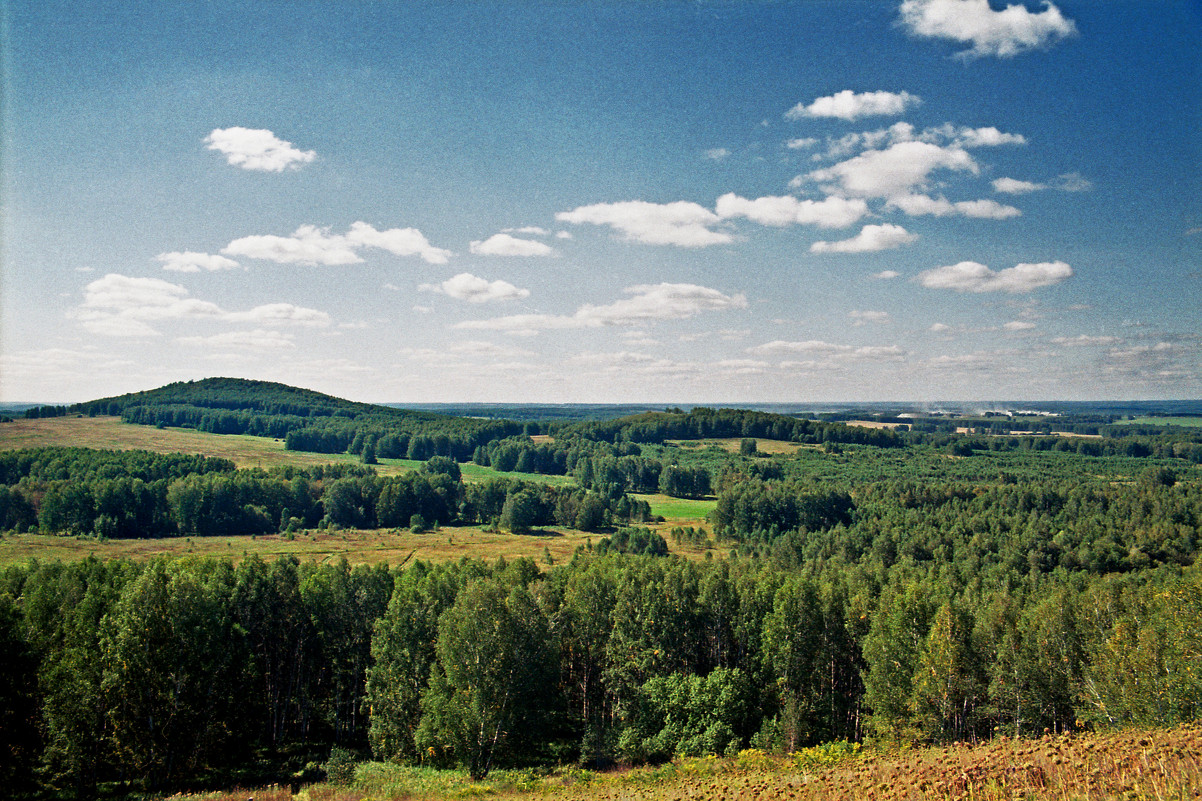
128,494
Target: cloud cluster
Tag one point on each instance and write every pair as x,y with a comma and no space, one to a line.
831,212
118,305
1003,33
257,149
474,289
872,238
969,276
681,223
310,245
849,105
506,245
647,303
191,262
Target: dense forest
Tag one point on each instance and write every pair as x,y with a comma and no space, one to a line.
859,584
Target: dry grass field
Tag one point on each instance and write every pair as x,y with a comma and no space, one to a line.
1136,765
731,445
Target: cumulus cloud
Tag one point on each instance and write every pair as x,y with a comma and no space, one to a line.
308,245
680,223
1003,33
190,262
311,246
398,241
281,314
885,275
918,205
942,135
969,276
717,153
1018,325
506,245
849,105
529,230
257,149
474,289
872,238
832,212
1012,186
647,303
118,305
896,170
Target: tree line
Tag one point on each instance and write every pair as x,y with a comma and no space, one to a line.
178,673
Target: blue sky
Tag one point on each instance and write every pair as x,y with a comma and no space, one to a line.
713,202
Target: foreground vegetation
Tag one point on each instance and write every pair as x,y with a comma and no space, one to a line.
512,599
1131,764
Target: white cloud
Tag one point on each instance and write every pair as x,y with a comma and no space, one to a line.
717,153
190,262
1018,325
680,223
832,212
1073,182
939,328
885,275
398,241
1084,340
822,352
647,303
118,305
529,230
563,234
257,149
506,245
849,105
474,289
865,317
257,339
897,170
801,143
1012,186
281,314
918,205
969,276
310,245
1004,33
871,238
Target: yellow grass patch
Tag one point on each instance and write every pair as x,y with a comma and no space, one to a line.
731,444
390,546
109,433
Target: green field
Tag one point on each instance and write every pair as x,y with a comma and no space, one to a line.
678,510
1185,422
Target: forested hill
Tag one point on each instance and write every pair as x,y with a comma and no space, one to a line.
307,420
242,394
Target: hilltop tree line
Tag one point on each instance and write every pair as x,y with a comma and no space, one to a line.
175,673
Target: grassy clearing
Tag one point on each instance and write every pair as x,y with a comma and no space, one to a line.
244,451
1187,422
390,546
731,445
679,511
1141,765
